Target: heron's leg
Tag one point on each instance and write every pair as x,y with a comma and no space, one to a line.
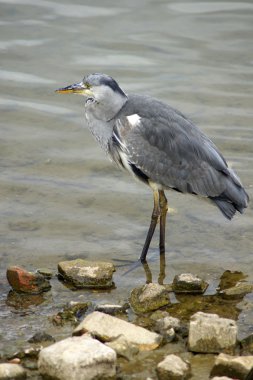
163,212
153,223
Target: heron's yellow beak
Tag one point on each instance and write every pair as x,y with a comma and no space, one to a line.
77,88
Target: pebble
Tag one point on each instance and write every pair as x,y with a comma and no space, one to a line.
10,371
208,333
108,328
112,309
237,367
188,283
77,358
173,368
87,274
148,297
23,281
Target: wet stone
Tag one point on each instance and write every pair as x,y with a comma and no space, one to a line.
45,272
236,367
87,274
9,371
77,358
236,292
173,368
71,313
148,297
23,281
189,283
167,327
247,345
208,333
123,347
107,328
41,336
112,309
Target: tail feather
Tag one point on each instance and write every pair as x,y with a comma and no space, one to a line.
233,199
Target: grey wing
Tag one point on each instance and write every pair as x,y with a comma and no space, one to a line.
173,153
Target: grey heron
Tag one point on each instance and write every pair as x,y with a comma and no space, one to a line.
159,146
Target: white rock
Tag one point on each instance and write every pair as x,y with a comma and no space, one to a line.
77,358
108,328
9,371
173,368
237,367
209,333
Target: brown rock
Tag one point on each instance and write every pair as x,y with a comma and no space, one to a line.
23,281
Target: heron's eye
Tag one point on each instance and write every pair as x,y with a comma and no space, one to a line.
87,85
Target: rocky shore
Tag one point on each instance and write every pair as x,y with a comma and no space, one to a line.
149,337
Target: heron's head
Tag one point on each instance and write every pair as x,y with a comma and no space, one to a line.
97,86
106,96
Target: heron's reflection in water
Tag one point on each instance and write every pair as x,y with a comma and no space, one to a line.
162,274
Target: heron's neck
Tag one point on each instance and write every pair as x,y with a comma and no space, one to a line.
101,118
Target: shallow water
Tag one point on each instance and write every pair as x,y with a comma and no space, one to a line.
60,197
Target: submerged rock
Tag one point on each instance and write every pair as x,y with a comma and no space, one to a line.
23,281
189,283
236,367
107,328
9,371
173,368
87,274
77,358
208,333
148,297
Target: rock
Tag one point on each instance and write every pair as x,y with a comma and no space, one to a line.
27,353
41,336
72,312
123,347
167,327
148,297
236,367
236,292
247,345
208,333
188,283
77,358
87,274
107,328
166,323
173,368
45,272
10,371
27,282
112,309
221,378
